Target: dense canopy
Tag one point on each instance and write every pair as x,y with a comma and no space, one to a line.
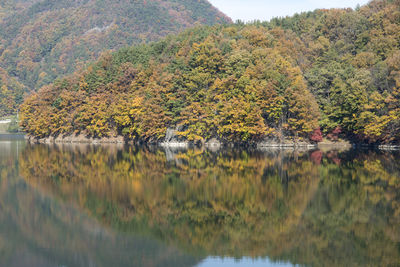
336,70
41,40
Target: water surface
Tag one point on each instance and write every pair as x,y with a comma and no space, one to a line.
79,205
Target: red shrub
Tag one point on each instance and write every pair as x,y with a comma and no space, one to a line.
334,135
316,135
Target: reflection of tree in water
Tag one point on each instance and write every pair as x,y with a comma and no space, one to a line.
322,209
38,230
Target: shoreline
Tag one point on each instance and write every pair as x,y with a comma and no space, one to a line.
212,144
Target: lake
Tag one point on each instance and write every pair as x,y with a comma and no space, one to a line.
83,205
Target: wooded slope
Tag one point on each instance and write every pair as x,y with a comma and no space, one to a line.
335,70
41,40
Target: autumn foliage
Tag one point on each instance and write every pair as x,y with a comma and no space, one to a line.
42,40
327,69
210,86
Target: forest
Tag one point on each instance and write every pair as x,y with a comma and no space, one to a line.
11,94
41,40
328,73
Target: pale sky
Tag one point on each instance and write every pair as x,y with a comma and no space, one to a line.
248,10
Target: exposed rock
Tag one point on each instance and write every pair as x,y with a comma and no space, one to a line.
213,144
175,144
76,139
172,140
389,147
283,144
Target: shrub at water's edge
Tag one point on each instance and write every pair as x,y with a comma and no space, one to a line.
329,72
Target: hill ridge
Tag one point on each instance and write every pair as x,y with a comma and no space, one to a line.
42,40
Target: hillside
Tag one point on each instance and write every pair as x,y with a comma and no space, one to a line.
11,93
41,40
335,71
